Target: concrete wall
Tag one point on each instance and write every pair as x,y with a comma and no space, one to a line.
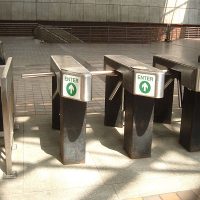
150,11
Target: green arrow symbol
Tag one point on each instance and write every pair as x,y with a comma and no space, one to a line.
71,89
145,87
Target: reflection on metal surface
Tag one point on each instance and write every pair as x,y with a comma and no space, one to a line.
38,75
98,73
168,83
74,81
138,67
115,90
180,94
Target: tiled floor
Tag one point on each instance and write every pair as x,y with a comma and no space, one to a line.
108,173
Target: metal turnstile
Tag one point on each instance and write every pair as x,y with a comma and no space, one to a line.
132,91
188,75
71,90
130,86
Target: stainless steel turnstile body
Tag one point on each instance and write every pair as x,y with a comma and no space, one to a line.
71,90
141,84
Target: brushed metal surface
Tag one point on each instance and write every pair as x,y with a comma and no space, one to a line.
189,70
7,98
61,65
128,67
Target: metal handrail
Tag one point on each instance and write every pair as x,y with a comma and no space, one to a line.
55,35
131,33
49,28
8,109
127,36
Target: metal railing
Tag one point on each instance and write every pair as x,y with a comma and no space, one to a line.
139,34
7,99
127,34
118,34
192,32
53,35
63,34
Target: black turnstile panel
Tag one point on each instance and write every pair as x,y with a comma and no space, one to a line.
190,121
55,105
72,130
113,108
138,125
163,107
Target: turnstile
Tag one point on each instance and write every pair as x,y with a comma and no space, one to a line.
188,75
71,90
140,85
126,77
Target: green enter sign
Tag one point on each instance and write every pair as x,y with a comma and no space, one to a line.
144,84
71,86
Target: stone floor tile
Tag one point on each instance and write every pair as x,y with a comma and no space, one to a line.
44,195
85,193
152,198
11,186
197,191
170,196
47,172
139,198
187,195
146,187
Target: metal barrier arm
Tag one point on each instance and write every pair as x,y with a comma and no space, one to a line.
50,74
7,98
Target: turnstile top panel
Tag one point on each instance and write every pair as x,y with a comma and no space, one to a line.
73,79
68,63
128,63
190,71
178,61
138,78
